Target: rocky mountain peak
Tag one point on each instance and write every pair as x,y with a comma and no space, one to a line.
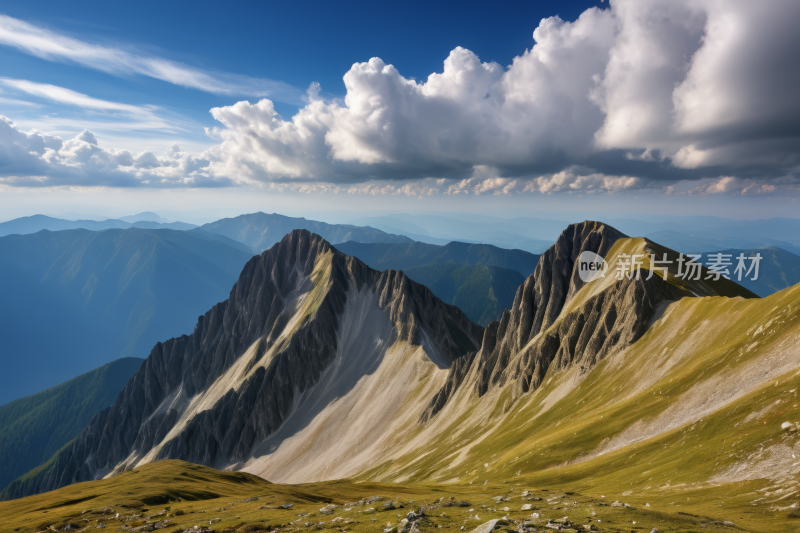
303,321
557,321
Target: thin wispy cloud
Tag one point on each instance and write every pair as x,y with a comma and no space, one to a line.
67,96
53,46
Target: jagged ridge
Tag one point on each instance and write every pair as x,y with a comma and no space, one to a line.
278,330
542,331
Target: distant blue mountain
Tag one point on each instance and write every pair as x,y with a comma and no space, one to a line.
76,299
261,230
480,279
32,224
778,269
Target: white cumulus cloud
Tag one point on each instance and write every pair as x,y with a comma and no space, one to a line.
640,95
656,90
33,159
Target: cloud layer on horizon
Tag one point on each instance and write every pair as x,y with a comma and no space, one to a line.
638,96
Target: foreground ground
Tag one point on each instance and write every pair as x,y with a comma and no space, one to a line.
175,496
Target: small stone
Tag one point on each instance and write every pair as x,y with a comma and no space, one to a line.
526,507
487,527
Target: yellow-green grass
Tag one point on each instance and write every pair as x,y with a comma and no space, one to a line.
727,369
190,495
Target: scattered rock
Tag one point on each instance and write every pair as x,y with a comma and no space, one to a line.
526,507
328,509
251,499
412,516
487,527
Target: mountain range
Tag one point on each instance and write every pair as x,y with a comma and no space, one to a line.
676,393
480,279
315,348
35,223
260,231
685,233
402,256
311,340
778,269
78,299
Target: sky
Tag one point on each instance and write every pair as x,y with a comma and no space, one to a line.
204,110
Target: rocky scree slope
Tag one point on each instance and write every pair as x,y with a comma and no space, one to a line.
212,396
548,328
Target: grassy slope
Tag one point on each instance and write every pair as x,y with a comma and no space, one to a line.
665,418
33,428
187,495
482,292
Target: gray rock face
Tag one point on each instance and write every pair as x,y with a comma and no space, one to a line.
262,303
537,304
530,339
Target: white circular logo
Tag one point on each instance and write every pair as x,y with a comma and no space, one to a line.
591,266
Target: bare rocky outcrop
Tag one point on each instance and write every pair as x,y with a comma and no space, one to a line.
538,335
537,305
283,314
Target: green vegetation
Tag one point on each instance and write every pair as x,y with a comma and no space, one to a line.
34,428
482,292
175,496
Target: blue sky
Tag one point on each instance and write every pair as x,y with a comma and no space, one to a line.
676,104
291,43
